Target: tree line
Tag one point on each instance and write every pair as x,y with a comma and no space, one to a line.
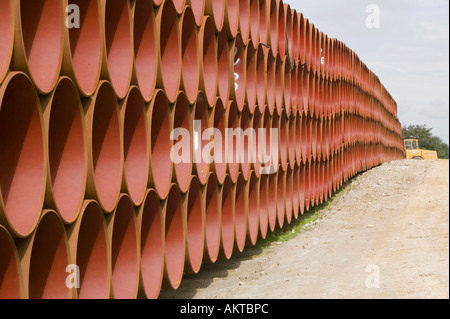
427,140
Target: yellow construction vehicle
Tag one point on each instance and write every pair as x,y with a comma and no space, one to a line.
412,150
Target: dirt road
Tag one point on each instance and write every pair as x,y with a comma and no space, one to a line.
384,236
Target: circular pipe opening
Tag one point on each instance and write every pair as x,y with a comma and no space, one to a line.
216,10
135,146
246,142
42,29
220,165
106,147
244,18
227,230
152,244
264,35
86,46
252,208
182,121
195,228
272,200
270,68
281,197
250,72
261,79
279,82
174,241
232,123
288,182
170,49
179,5
124,251
239,72
92,254
225,66
9,267
263,206
198,8
298,138
240,214
295,192
22,155
49,259
283,140
273,19
208,49
7,22
118,39
161,163
232,18
189,54
292,142
67,150
201,123
145,50
253,17
212,219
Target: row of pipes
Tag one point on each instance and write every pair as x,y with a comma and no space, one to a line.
87,119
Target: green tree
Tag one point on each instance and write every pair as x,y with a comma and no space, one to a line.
426,139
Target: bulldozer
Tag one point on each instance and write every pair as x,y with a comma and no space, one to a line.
413,151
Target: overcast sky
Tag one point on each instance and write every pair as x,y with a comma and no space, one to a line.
409,51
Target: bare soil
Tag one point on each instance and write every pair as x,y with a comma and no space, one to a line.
385,235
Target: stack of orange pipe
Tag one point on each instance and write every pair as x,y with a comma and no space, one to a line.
92,204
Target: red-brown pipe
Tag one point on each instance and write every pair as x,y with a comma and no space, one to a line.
272,19
225,67
240,213
23,155
217,122
169,58
264,23
251,76
282,25
279,82
190,57
301,188
145,48
227,230
125,254
258,146
151,221
261,78
294,88
213,218
289,30
295,192
44,256
201,167
105,147
216,10
10,272
270,67
296,25
307,188
244,20
299,138
39,41
254,20
209,69
83,47
90,251
161,166
240,83
182,126
263,206
194,212
231,17
232,122
7,25
198,7
292,139
179,5
283,139
286,84
135,146
67,147
252,208
246,142
118,45
281,196
288,191
272,200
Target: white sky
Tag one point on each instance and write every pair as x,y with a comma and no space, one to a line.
409,52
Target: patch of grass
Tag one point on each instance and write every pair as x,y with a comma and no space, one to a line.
301,224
